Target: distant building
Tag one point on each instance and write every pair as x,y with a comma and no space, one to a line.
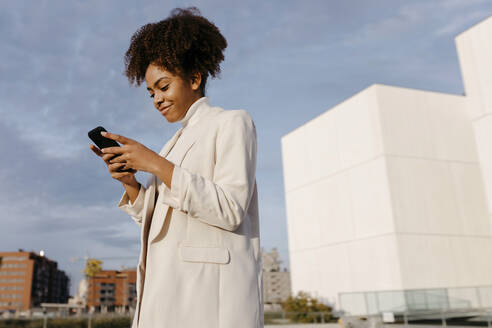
389,194
82,292
111,290
276,282
28,279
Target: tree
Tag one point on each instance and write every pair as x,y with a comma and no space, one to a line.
92,267
305,308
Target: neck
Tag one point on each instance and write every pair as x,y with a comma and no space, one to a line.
194,98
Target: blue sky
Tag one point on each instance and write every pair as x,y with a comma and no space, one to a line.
61,74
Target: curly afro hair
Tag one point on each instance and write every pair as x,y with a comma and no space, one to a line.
185,43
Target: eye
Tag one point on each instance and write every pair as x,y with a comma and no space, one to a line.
164,88
151,96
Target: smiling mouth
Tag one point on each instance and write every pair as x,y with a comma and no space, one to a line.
165,109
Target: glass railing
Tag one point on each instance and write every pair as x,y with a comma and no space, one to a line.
369,303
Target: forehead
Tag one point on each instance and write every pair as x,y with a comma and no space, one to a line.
155,73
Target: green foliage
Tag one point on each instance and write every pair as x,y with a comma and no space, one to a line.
272,317
306,309
16,323
120,322
112,323
92,267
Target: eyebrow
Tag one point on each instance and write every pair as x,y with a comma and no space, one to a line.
159,80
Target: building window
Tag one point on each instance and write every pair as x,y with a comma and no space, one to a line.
12,273
14,265
11,287
14,258
11,304
10,281
11,295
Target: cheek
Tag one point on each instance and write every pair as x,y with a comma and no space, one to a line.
179,112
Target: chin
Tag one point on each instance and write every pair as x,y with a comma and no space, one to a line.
171,119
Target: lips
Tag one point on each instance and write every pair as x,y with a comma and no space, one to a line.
164,110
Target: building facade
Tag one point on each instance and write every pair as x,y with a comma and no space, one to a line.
111,290
28,279
276,282
389,194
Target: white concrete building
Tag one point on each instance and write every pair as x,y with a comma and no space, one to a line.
389,194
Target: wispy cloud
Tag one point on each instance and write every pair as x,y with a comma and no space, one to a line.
459,23
440,18
386,28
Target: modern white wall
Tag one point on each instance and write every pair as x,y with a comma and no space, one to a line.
336,140
341,166
438,201
385,192
475,53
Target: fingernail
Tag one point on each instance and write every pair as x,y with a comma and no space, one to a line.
103,150
103,133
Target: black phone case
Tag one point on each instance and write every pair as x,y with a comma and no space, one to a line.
99,140
103,142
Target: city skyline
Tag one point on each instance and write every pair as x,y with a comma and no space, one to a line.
286,64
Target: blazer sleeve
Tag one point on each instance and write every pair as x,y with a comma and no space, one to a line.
223,201
135,210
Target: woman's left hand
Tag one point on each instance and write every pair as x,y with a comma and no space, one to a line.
134,154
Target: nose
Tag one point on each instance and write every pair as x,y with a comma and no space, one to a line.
158,100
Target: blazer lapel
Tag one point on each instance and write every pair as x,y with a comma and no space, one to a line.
151,190
170,144
153,184
188,139
179,154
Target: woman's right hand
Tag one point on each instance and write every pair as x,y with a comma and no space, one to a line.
127,178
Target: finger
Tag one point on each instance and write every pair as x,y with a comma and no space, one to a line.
119,175
107,157
118,159
96,150
125,169
115,167
113,150
116,137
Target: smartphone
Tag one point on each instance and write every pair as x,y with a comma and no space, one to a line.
103,142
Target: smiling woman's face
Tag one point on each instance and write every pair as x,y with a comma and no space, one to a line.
172,94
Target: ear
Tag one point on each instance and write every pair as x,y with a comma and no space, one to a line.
195,81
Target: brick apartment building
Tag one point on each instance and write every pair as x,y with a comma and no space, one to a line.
111,290
28,279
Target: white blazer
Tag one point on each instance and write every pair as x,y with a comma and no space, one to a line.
200,263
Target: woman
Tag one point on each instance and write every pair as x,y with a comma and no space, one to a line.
199,264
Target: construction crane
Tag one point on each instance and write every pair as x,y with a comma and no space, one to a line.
88,257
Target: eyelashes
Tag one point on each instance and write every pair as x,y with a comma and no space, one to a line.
162,89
